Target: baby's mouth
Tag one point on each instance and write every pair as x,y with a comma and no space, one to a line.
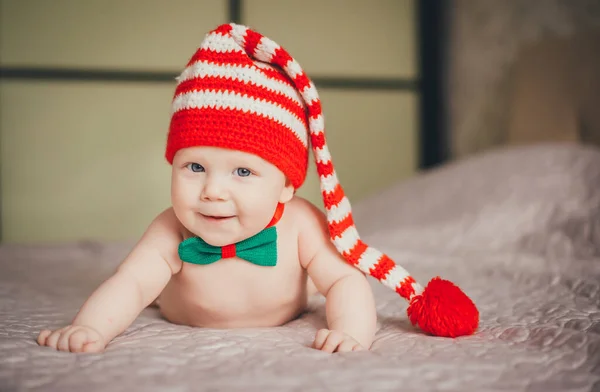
217,218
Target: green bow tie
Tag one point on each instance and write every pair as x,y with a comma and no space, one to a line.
260,249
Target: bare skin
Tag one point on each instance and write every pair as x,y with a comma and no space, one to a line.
231,293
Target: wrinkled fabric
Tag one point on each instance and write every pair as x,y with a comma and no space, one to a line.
517,229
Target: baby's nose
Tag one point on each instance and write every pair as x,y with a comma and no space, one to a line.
214,189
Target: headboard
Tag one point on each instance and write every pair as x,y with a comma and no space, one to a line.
492,47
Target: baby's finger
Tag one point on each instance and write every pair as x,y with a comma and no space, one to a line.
77,340
333,341
320,338
52,340
63,341
346,346
43,336
93,347
358,347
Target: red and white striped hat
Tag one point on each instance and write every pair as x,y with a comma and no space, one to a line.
242,91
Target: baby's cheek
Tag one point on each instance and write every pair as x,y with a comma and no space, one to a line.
251,223
178,201
187,217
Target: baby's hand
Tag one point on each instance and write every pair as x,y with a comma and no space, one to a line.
73,338
335,341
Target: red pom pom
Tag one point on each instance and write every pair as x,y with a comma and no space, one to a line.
443,310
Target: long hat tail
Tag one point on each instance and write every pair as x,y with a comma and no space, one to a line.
440,308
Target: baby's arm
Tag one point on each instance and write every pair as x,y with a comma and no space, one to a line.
350,306
119,300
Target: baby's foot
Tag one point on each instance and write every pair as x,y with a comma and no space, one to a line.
73,338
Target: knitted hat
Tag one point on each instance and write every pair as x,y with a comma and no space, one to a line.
243,91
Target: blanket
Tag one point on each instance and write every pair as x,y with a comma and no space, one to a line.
518,229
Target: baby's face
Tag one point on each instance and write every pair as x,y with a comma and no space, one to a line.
225,196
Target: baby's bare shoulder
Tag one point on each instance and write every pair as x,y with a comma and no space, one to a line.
166,226
164,235
311,227
306,213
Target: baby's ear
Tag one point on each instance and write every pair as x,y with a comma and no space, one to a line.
287,192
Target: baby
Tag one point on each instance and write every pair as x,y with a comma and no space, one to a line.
237,248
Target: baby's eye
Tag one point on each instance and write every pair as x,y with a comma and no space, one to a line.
195,167
243,172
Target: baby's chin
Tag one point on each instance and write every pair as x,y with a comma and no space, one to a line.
219,240
216,238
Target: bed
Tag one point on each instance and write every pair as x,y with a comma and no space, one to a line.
518,228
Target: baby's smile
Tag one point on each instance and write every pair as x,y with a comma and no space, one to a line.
216,218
